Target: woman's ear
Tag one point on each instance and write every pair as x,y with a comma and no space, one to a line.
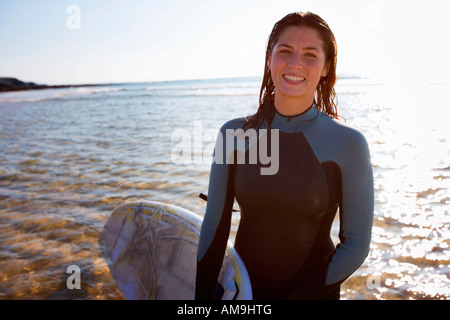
325,70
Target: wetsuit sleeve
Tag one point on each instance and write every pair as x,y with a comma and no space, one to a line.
216,223
355,212
356,209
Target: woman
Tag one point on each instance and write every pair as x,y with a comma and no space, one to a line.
286,217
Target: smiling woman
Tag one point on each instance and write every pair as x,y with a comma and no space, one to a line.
286,217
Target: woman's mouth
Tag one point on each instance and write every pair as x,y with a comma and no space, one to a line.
293,79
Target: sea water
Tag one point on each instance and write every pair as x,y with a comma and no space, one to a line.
69,156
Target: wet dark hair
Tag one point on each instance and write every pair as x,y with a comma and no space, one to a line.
325,94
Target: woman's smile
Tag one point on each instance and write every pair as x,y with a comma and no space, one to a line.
293,79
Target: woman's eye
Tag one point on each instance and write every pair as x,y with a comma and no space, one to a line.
310,55
284,51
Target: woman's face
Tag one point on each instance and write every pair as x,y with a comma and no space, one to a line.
297,63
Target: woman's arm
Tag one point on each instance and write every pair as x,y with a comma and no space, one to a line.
356,208
216,223
348,148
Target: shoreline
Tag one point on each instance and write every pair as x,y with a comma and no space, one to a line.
13,84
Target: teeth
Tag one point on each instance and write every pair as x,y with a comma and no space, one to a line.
293,78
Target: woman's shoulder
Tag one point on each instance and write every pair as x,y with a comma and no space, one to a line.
343,132
234,124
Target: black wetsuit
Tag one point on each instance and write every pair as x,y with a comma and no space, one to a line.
317,165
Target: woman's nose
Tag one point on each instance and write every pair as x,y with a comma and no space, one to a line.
296,62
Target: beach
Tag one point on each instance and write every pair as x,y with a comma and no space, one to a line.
71,155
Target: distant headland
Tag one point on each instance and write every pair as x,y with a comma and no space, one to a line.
13,84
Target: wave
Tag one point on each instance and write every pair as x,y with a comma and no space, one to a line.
197,95
227,94
214,84
52,94
200,88
192,88
443,168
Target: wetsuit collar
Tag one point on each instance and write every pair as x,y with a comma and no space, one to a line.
295,123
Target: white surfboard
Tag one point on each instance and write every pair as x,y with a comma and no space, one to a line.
151,249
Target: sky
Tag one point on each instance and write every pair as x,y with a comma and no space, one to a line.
113,41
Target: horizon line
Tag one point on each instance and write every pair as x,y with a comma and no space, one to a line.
343,75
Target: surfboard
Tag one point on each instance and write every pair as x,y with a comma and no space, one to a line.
151,250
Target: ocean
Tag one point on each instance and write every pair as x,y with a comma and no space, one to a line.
69,156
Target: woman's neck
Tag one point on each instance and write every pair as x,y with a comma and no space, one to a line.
291,106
